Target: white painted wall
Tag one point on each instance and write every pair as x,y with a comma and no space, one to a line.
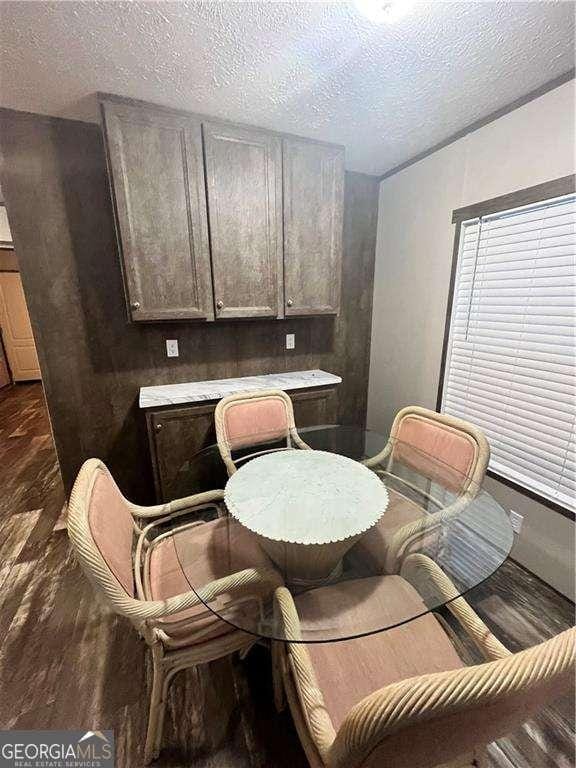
528,146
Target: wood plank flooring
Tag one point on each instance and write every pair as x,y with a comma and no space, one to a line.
66,662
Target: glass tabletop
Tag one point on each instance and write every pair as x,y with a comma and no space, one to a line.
361,546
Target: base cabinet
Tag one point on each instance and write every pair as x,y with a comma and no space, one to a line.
315,407
178,436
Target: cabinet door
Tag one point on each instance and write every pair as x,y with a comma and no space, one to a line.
243,179
315,407
155,163
176,436
313,220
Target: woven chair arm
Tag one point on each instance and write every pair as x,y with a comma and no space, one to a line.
412,532
419,699
297,440
285,610
432,583
249,577
379,458
312,702
150,610
177,505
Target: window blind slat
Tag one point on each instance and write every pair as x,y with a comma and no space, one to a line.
522,441
521,387
499,394
527,326
529,315
485,407
529,350
546,342
511,348
556,264
542,212
491,258
500,360
561,227
492,368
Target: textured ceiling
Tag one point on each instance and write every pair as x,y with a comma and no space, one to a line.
319,69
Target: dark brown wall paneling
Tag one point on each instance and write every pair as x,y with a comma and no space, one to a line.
93,360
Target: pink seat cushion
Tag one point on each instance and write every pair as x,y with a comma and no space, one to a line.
371,549
348,671
453,452
253,422
112,528
193,558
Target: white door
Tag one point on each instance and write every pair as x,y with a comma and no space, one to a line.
16,329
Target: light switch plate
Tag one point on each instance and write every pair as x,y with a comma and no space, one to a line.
290,340
172,347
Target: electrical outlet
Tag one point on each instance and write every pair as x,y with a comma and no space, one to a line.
172,347
516,520
290,340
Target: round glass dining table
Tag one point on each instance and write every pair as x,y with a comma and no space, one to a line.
362,546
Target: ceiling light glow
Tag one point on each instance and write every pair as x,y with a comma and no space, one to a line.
379,11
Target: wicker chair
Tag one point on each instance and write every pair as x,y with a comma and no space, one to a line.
140,577
403,697
254,418
460,455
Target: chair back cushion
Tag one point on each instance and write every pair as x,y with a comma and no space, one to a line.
255,421
111,526
453,452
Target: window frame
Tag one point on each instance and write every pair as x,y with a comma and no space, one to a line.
539,193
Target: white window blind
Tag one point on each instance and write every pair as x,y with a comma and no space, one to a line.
510,358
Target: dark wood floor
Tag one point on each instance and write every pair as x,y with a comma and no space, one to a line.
65,662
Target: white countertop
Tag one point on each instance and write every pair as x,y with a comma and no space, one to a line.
197,391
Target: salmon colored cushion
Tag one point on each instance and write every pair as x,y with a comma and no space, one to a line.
349,670
253,422
193,558
112,529
453,452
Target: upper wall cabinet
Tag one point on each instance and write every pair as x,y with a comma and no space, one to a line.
221,221
313,212
244,184
157,176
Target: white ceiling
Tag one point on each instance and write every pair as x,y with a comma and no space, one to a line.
319,69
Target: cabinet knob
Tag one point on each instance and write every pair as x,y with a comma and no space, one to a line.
158,427
135,305
219,304
289,303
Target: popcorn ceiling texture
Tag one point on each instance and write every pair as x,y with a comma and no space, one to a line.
317,69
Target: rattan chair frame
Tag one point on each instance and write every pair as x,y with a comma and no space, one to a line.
418,699
146,614
293,439
411,533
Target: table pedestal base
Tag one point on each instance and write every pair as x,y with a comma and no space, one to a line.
308,564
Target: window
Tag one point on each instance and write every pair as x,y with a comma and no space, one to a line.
509,354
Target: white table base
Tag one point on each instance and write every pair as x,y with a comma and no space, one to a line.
307,564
